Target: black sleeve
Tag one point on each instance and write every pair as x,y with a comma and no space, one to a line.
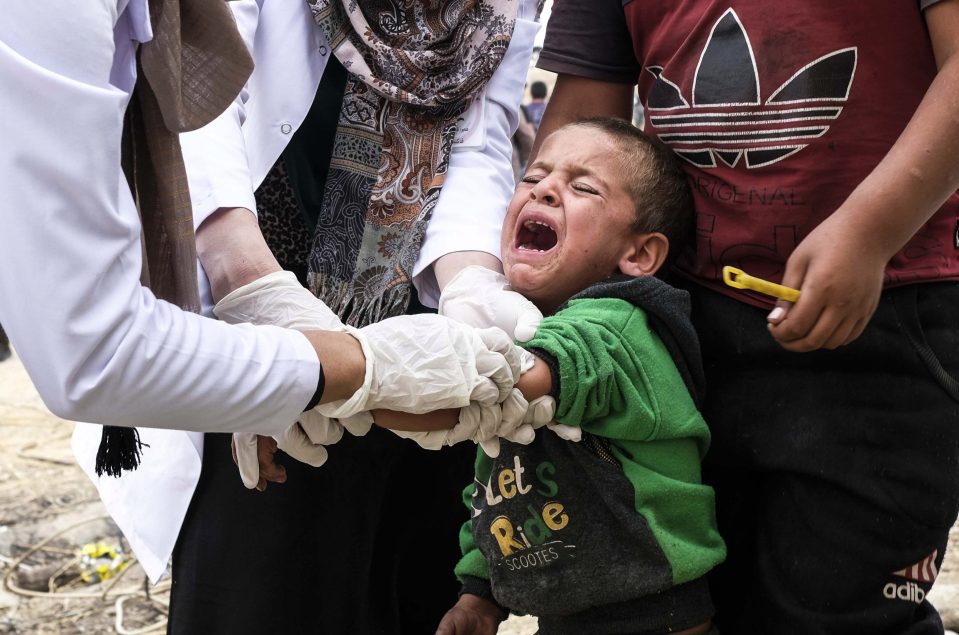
318,393
589,38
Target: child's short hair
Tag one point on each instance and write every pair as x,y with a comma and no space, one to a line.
657,183
537,90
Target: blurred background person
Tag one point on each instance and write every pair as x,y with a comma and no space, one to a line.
539,96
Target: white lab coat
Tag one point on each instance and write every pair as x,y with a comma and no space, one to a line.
230,157
97,345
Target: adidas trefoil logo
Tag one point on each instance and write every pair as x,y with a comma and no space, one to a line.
726,93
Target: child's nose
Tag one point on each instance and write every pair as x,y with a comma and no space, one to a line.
543,191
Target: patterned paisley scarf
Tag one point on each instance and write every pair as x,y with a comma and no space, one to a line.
414,67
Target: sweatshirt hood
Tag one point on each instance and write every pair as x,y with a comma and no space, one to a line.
668,309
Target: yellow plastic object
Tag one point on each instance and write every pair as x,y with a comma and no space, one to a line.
738,279
101,561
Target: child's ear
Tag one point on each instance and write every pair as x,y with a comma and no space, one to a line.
646,255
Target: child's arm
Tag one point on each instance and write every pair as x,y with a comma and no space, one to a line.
839,266
534,383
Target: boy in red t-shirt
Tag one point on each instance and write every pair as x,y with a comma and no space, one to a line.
820,139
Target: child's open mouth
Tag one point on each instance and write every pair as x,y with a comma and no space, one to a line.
535,235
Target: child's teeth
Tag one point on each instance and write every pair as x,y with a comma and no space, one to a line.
528,224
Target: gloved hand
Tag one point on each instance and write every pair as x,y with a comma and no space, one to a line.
420,363
304,441
514,420
538,413
542,411
535,414
482,297
477,423
279,299
357,425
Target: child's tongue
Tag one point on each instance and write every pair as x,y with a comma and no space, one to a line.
536,236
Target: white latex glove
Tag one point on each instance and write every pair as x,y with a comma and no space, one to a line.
482,297
279,299
535,414
477,423
514,420
538,413
304,441
357,425
542,411
247,460
420,363
319,430
472,417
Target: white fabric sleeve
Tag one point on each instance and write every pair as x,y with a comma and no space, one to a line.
97,345
479,183
215,155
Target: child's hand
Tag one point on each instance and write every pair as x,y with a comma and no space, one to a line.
840,272
304,441
471,615
267,469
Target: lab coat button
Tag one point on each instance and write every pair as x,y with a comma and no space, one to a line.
323,51
286,128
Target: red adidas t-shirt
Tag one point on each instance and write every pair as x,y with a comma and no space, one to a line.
778,110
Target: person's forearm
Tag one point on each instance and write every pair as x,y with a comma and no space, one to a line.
606,99
920,171
534,383
446,267
537,381
232,250
344,365
408,422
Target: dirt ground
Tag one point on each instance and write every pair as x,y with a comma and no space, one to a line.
49,511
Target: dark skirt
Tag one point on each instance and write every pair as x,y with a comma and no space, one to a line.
365,544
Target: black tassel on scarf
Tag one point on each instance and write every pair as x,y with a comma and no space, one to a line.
119,450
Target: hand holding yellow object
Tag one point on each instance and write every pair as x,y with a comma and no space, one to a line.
738,279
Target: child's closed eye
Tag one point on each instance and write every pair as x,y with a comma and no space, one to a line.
583,187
